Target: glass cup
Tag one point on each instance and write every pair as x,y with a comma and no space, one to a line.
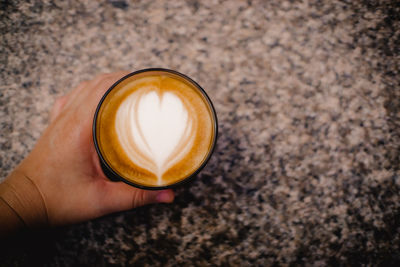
110,166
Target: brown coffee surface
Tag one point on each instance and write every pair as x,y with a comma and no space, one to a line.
188,156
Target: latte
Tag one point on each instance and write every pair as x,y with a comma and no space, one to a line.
154,128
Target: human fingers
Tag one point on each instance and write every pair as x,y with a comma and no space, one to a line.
87,100
57,107
89,93
65,101
98,87
120,196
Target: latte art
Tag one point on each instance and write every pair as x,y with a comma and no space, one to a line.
154,129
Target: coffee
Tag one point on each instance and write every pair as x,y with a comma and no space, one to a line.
155,128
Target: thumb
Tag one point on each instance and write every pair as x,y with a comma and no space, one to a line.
120,196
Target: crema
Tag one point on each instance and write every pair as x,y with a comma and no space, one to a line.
155,128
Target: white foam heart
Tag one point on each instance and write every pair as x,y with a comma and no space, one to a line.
150,126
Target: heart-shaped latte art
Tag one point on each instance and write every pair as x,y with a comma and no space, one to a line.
154,129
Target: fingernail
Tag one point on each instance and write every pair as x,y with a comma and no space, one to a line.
165,197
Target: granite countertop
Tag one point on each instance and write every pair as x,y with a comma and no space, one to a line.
306,170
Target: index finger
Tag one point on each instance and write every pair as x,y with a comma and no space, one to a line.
98,87
89,93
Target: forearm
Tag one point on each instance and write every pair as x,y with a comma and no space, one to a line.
21,205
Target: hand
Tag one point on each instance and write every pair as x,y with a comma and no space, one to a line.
61,181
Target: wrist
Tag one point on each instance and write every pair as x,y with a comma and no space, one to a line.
22,195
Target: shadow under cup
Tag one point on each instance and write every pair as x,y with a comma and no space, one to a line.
113,158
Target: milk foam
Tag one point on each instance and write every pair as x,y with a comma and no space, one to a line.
154,129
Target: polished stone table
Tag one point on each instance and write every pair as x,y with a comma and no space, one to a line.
306,171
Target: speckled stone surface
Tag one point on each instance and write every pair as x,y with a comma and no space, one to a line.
306,171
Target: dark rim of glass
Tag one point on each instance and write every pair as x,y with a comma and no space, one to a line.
185,180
